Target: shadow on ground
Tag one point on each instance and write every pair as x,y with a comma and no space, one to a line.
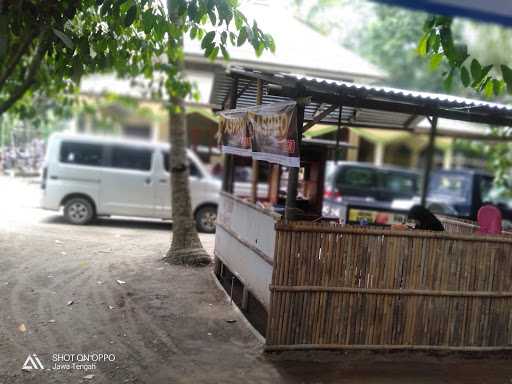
116,223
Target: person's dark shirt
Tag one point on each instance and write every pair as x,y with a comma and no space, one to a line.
425,219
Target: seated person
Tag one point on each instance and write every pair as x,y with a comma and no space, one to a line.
489,220
424,219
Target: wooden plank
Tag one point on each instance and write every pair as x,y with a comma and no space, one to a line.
308,347
318,117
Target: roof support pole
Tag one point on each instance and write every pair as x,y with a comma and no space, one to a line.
255,166
290,212
338,135
229,161
430,157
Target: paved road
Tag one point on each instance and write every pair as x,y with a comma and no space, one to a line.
160,323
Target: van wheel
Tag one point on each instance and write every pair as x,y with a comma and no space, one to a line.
206,218
78,211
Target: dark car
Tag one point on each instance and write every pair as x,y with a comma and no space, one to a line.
369,185
462,192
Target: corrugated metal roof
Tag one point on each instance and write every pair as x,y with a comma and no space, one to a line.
365,106
399,93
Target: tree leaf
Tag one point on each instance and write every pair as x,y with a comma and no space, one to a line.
211,15
483,84
476,70
130,15
242,37
239,20
63,37
435,60
461,54
225,12
448,81
489,89
498,86
448,46
464,76
480,84
105,7
486,69
507,73
193,33
224,52
193,11
232,38
214,53
422,45
208,39
259,48
148,20
433,43
429,23
271,43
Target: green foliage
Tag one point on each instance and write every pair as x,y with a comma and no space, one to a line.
438,42
479,71
399,41
386,36
47,46
389,41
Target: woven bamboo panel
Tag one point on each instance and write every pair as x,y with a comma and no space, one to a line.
456,225
350,287
453,225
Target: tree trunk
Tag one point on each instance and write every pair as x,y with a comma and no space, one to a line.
186,248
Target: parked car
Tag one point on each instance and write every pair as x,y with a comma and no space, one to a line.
367,185
92,176
460,193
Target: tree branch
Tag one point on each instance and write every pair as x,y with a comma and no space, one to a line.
22,49
31,74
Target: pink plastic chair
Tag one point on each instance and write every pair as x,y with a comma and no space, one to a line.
489,220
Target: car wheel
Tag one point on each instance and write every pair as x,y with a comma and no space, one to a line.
78,211
206,218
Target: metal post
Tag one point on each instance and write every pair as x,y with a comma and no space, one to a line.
293,173
338,134
255,166
245,299
430,156
227,178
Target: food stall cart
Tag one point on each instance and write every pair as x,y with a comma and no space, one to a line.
307,282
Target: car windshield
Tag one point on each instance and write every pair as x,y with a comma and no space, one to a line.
450,185
356,177
399,182
486,189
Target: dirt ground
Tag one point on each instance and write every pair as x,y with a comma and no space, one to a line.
162,323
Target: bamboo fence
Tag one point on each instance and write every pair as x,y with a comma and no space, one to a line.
456,225
342,287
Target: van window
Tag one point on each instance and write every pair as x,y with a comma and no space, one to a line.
449,185
399,182
130,158
192,168
81,153
356,177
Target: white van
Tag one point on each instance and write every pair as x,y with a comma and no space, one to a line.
92,176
